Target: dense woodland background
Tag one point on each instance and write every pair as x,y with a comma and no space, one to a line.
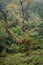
21,32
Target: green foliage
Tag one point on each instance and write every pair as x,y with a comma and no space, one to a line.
21,59
33,18
17,32
2,4
37,7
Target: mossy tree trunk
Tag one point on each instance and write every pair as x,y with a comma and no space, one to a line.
15,39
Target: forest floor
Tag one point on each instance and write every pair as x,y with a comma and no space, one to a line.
35,58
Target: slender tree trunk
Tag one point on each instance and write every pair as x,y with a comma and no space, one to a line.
22,9
27,48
